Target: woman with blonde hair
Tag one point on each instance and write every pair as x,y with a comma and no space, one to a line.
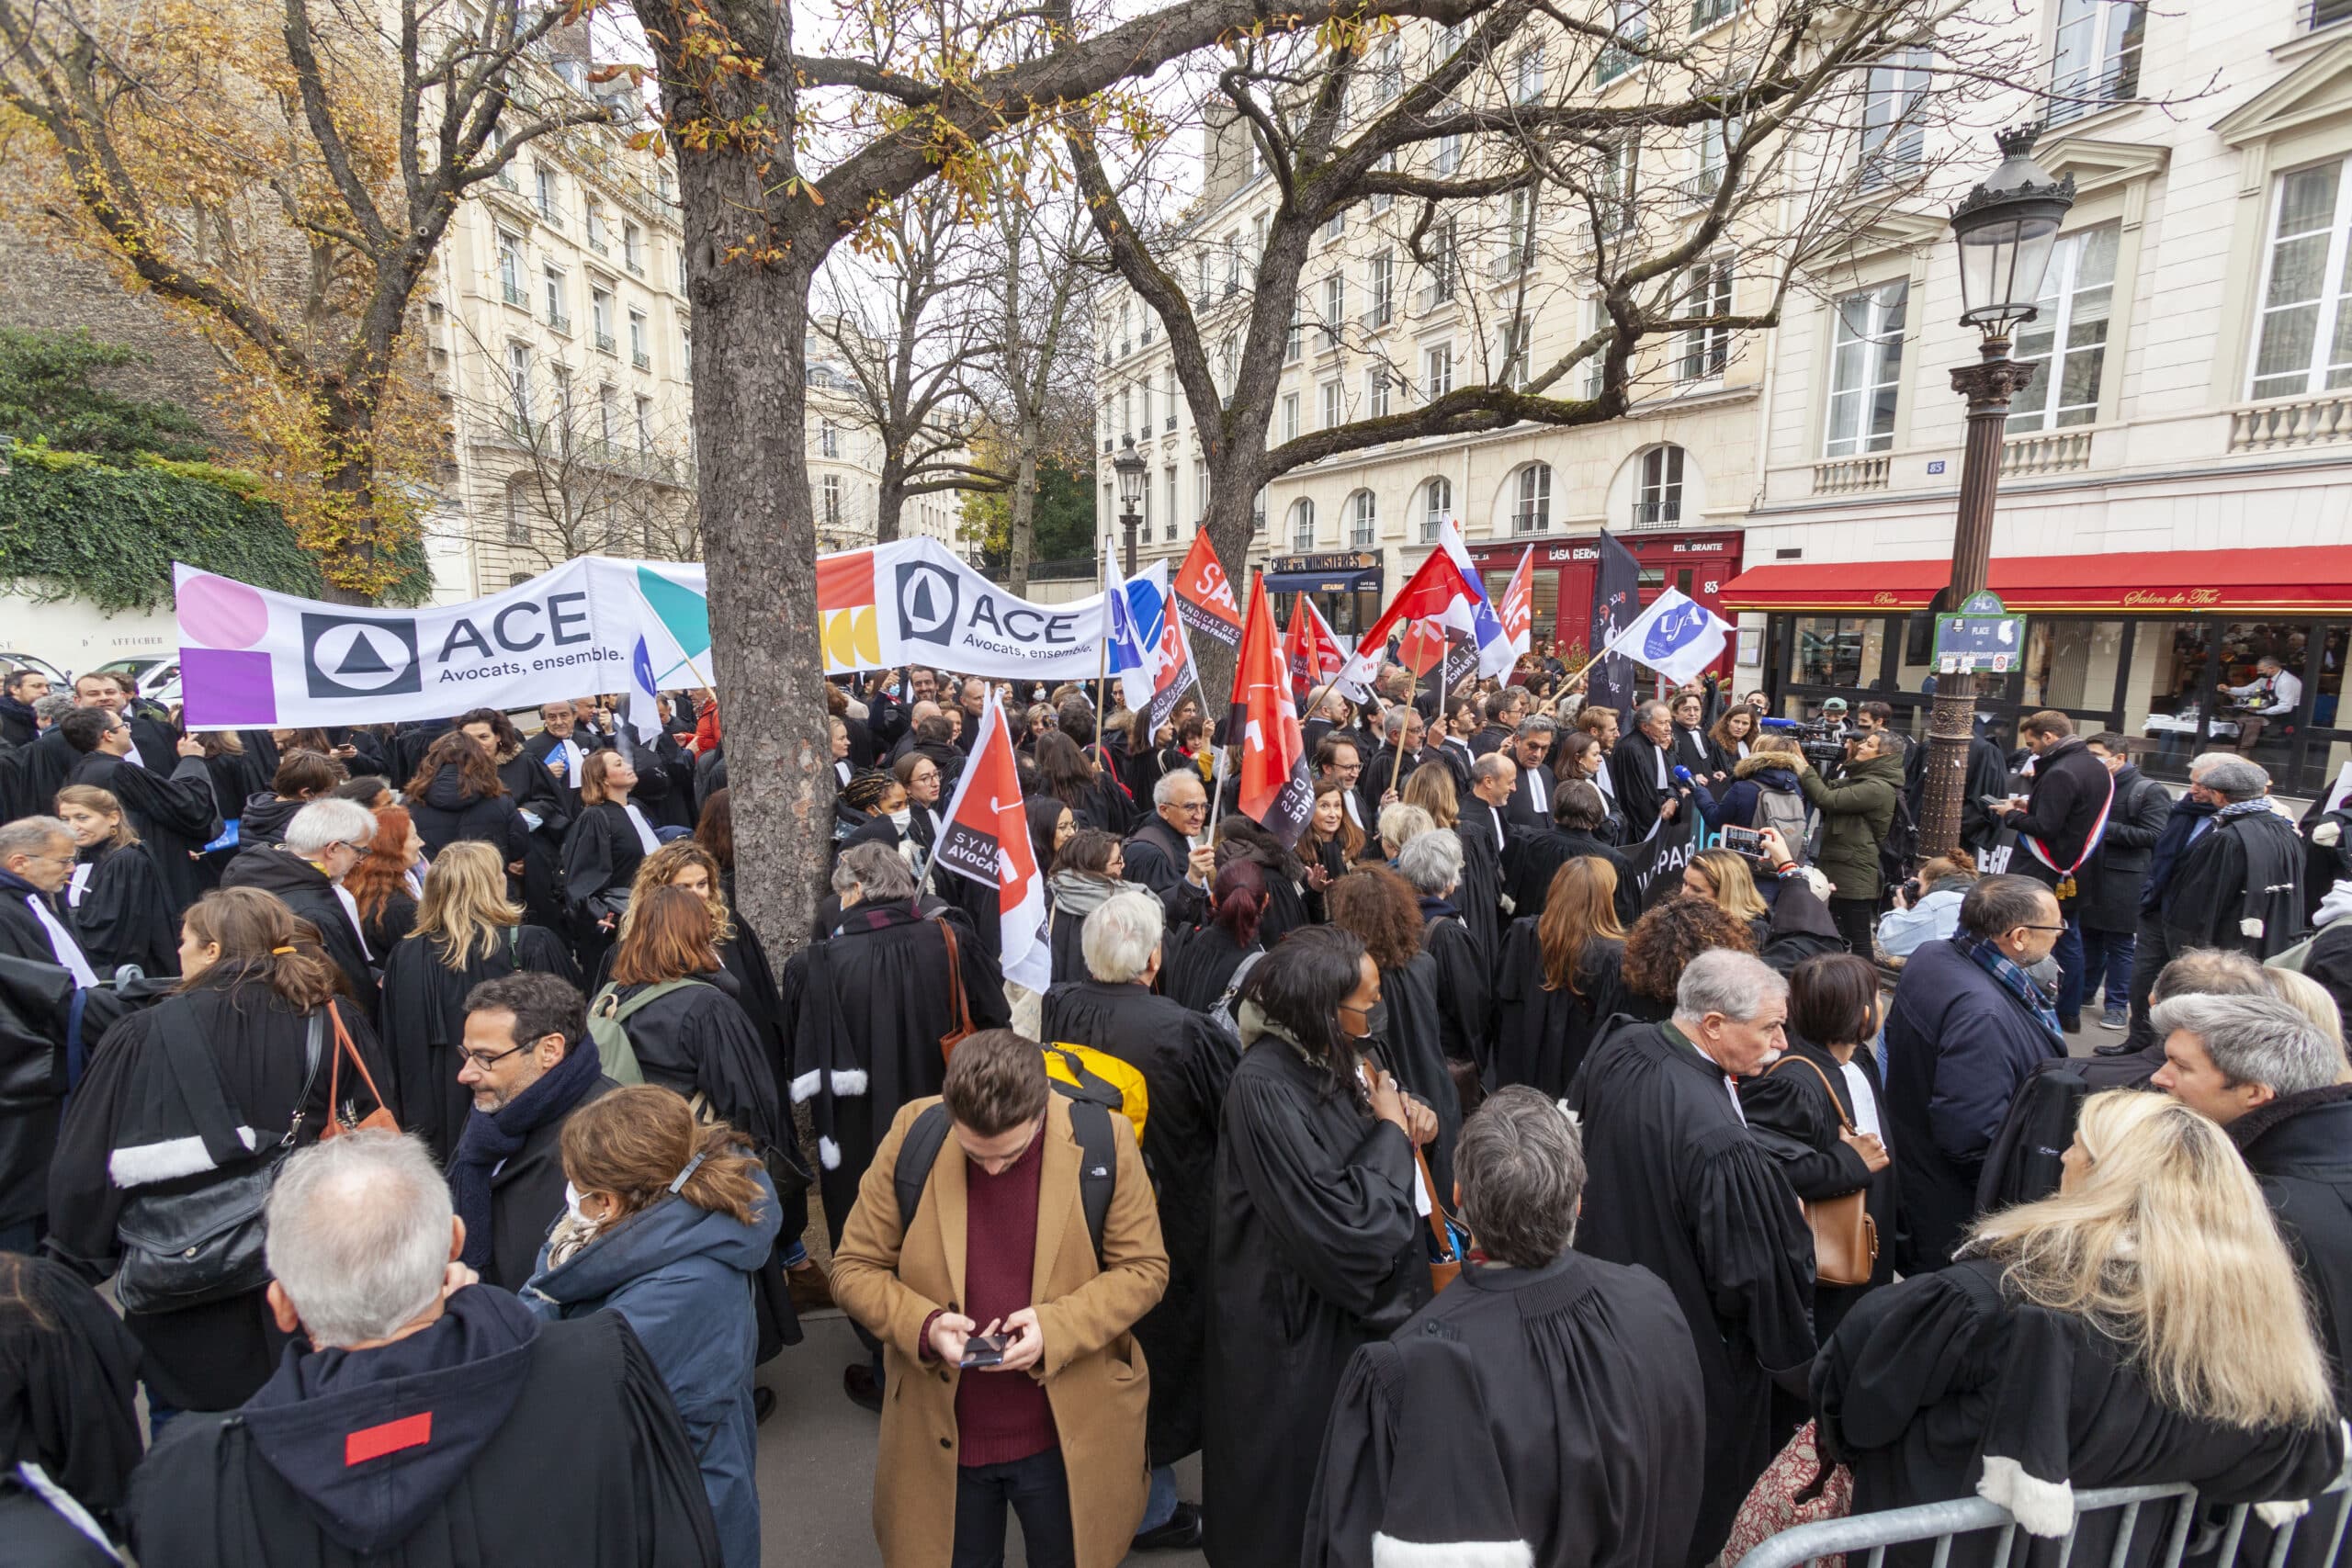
110,897
2144,1324
1431,787
671,1224
1722,876
2307,997
466,932
1559,979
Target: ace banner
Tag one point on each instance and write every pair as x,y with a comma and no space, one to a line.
911,602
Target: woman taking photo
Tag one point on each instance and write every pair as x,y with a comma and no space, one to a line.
384,886
1320,1245
600,854
1559,980
467,931
2144,1324
111,895
256,991
1818,1111
456,793
1722,877
669,1225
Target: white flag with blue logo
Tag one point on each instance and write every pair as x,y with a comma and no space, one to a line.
1128,655
1676,635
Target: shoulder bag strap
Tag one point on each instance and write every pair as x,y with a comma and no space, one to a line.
1436,1215
344,1047
201,1091
961,1012
1835,1103
622,1011
1233,987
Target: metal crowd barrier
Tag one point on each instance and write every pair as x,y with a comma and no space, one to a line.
1943,1522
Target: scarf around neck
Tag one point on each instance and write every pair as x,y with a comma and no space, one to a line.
2010,977
493,1136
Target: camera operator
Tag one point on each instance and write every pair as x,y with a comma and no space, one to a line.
1833,715
1927,906
1857,811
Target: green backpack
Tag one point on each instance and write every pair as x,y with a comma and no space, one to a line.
608,1018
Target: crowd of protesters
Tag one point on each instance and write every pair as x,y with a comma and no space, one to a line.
1594,1124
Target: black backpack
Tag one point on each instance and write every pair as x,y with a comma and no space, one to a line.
1900,847
2027,1157
1098,1165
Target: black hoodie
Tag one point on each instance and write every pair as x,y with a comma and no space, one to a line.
264,817
306,890
436,1449
448,812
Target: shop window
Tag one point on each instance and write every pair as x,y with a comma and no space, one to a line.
1837,651
2071,664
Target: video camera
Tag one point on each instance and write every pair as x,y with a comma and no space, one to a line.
1821,741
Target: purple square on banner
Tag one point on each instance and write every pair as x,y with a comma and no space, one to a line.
226,689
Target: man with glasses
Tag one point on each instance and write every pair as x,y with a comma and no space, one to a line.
170,807
1166,854
323,842
36,858
1968,1025
529,1063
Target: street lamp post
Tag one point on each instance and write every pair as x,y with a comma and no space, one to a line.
2006,229
1129,466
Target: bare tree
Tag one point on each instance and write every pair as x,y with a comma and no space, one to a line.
904,319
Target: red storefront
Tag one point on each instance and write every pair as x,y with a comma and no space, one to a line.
1700,564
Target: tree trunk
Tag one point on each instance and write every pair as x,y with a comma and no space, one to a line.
1021,529
889,498
349,484
1228,528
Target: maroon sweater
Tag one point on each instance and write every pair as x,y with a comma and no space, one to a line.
1001,1416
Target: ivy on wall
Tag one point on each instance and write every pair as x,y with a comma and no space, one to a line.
73,526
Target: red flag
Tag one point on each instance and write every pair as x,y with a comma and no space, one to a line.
1314,654
984,835
1516,611
1203,597
1423,646
1274,788
1437,591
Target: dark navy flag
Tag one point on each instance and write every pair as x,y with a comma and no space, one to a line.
1616,600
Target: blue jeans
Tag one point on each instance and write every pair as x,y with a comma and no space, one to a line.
2069,953
2107,959
1159,1506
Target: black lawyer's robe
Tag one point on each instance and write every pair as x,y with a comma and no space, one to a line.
119,915
601,854
423,1018
1464,982
697,1039
534,790
1318,1250
526,1198
305,889
1541,1037
1414,1051
1676,1185
173,816
1186,1063
1200,965
1553,1409
1480,897
1798,1117
1537,858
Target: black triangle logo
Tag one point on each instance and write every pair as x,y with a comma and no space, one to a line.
923,606
361,658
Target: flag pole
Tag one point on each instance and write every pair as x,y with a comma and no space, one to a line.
1102,671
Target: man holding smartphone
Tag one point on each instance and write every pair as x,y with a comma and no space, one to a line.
1015,1381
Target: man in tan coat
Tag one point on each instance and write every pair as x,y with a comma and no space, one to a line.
999,1248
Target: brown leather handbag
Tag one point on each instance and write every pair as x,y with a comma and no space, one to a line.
1845,1237
1445,1265
959,1018
340,1119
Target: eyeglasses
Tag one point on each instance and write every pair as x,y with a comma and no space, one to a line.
1189,807
475,1059
2056,928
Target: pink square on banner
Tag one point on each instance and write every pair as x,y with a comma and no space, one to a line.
227,689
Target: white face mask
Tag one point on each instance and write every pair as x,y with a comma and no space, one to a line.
901,817
571,1205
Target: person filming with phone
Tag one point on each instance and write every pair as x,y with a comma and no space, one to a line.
1013,1379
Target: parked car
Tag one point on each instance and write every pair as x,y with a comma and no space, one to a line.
154,680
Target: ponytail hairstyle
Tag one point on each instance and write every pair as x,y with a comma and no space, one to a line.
1237,902
634,1142
90,797
262,941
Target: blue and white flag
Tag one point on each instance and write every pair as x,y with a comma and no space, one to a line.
1676,636
1127,654
1497,655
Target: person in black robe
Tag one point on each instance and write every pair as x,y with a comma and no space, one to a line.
1202,962
1679,1186
1577,812
1485,836
1320,1245
1963,1383
1164,852
2239,883
456,793
1689,747
608,838
1186,1062
428,1447
1641,768
1553,996
564,749
308,888
1380,909
696,1039
1282,874
237,774
1541,1410
250,1004
172,814
111,894
546,810
68,1388
1465,1031
864,1010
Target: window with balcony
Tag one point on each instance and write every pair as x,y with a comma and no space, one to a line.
1258,513
608,416
1381,277
1439,269
828,501
1290,416
1143,402
563,408
1894,135
518,384
1865,368
640,352
1302,524
1594,373
510,270
1387,71
1527,76
1621,171
1449,151
1168,511
1531,501
1127,409
600,318
2068,336
596,226
1631,34
1437,507
1125,343
1518,339
685,351
1660,500
559,316
518,515
1437,371
633,247
1516,253
2097,61
645,427
1384,164
1704,351
2303,330
1294,338
828,439
1335,307
543,192
1375,394
1200,490
1175,402
1711,145
1332,416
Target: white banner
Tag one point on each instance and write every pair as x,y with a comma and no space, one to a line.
252,659
912,602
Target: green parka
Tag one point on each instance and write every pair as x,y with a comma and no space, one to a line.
1857,811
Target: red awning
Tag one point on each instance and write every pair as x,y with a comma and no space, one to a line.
2312,579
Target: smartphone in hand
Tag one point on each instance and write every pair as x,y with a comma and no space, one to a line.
983,1350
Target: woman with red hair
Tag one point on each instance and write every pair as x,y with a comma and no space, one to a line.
1207,961
388,880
